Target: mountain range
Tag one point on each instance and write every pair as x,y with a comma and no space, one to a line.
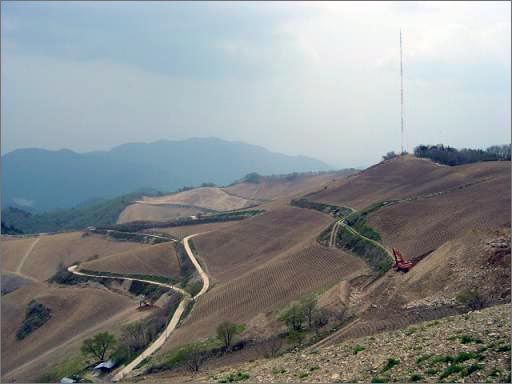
42,180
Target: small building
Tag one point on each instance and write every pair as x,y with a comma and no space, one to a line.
105,366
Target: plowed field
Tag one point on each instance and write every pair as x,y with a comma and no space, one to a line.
157,260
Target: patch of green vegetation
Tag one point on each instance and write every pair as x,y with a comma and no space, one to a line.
423,358
358,348
150,291
390,363
503,348
303,374
450,370
68,368
157,279
380,380
466,339
416,377
442,359
409,331
333,210
463,356
234,377
36,315
470,369
373,253
101,213
194,287
495,372
314,368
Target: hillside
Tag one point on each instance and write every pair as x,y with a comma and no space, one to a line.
45,180
417,353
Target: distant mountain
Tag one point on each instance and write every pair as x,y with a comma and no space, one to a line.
41,180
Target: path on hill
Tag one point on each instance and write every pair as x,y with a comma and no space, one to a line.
125,371
26,255
204,276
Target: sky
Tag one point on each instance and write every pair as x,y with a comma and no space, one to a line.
310,78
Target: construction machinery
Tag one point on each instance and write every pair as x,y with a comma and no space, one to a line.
400,263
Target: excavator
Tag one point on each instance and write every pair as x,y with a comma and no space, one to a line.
400,263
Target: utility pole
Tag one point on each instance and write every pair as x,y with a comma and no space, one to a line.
401,96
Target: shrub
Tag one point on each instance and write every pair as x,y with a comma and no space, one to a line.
380,380
36,316
466,339
454,368
423,358
233,377
416,377
463,356
389,155
390,364
358,348
303,375
472,368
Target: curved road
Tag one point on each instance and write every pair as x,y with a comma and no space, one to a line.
124,372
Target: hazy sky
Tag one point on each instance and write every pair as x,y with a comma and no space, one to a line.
318,79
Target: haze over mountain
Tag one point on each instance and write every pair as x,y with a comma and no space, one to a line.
42,180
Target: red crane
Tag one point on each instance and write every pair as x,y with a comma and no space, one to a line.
400,263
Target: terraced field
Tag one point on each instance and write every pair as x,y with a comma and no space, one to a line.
423,225
404,177
270,286
158,260
234,250
50,251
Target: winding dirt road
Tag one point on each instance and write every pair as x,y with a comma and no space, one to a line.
125,371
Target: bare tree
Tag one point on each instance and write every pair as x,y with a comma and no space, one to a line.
194,356
269,347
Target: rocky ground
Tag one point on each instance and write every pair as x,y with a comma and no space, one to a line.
474,347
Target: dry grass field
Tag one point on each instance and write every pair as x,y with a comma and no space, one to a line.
207,197
148,212
50,251
159,259
77,312
13,251
405,177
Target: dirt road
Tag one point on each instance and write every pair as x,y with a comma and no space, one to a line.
26,255
125,371
204,276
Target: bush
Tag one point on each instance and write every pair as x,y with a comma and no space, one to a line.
389,155
454,368
390,364
358,348
36,316
416,377
233,377
150,291
472,299
380,380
